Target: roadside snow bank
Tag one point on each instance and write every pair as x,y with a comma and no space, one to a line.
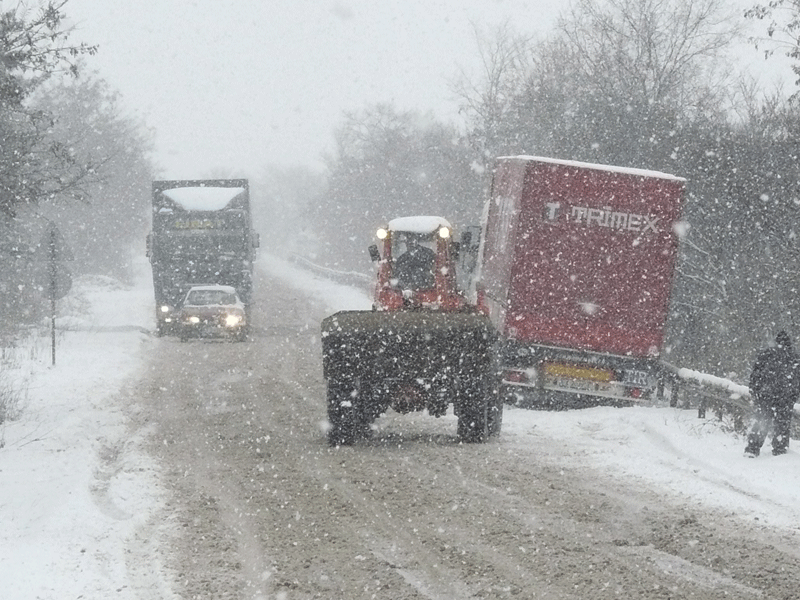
671,451
73,486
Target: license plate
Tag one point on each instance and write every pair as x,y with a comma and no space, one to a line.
582,378
571,371
581,385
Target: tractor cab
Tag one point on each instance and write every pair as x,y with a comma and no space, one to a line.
416,259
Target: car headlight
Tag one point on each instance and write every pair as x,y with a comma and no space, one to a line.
232,320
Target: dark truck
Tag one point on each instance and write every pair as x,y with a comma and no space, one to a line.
202,234
576,268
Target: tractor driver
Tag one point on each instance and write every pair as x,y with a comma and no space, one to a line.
414,268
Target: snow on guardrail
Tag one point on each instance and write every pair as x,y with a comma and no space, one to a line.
354,278
713,381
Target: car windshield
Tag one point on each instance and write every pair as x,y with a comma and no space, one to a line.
209,297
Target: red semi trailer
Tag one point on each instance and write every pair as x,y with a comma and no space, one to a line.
576,268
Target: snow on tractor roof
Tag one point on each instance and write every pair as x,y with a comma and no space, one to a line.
420,225
203,198
599,167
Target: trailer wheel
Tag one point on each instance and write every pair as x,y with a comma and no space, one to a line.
473,411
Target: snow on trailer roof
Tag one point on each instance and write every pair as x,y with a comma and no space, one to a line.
203,198
597,166
420,225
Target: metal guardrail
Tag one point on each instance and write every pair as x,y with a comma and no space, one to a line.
353,278
693,389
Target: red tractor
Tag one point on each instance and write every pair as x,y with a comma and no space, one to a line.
422,347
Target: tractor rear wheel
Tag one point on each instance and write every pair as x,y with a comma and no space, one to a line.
348,414
473,411
341,412
495,409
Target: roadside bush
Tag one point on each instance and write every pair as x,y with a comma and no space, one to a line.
13,385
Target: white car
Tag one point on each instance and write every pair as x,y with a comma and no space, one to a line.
212,311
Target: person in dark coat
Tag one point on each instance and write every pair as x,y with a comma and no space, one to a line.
414,268
774,387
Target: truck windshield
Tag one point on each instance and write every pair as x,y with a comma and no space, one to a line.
205,222
209,298
177,244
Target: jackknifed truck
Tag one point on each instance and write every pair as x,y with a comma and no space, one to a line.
576,267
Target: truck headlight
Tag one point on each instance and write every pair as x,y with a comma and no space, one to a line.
194,320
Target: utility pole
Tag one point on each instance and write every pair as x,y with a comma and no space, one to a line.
60,280
53,273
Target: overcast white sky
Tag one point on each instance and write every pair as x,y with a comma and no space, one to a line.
233,85
247,82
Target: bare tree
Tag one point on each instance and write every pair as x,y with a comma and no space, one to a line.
488,100
645,69
782,30
391,163
34,46
655,50
105,214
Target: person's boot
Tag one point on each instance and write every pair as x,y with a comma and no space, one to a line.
780,444
751,452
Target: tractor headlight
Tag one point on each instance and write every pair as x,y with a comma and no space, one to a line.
382,233
444,232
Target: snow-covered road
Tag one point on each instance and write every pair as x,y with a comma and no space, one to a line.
80,485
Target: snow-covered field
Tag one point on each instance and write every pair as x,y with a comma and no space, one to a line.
74,488
67,508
